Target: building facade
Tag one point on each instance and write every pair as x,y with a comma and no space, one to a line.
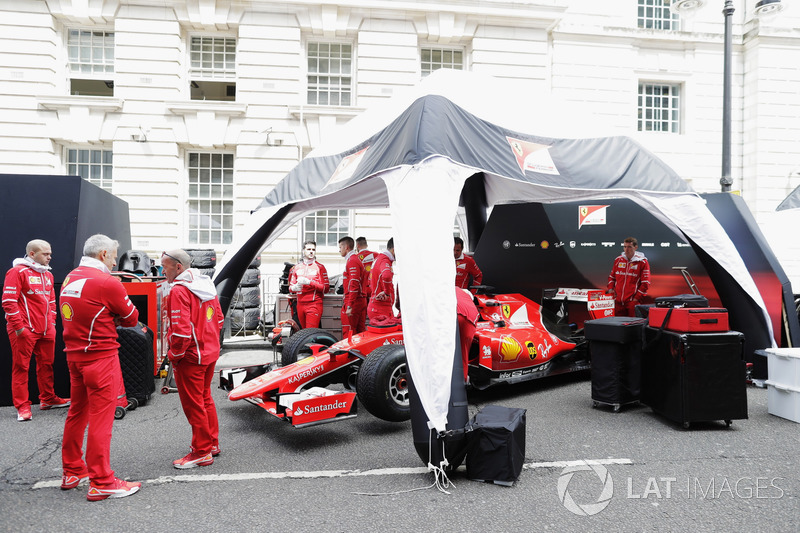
190,110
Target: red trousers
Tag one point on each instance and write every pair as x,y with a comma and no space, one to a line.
194,391
357,321
309,313
22,349
93,394
466,330
625,309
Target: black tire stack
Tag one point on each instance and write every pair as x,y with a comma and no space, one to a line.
245,311
203,259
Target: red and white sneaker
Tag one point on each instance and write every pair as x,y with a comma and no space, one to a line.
70,482
55,403
24,413
192,460
215,451
117,489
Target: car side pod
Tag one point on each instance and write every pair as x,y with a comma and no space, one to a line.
447,451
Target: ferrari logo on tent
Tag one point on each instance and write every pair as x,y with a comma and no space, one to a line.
591,215
347,167
532,157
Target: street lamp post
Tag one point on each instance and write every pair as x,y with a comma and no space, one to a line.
725,181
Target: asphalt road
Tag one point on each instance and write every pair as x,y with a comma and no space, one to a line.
364,474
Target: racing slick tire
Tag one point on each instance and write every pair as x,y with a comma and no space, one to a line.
297,347
383,384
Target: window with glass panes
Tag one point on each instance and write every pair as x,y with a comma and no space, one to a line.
655,15
95,166
659,107
210,198
326,227
435,58
213,57
90,52
330,74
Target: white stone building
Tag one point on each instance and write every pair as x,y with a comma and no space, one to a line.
190,110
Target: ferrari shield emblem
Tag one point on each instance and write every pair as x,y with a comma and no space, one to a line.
506,310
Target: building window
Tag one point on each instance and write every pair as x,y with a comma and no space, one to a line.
210,198
213,68
327,227
330,74
659,107
436,58
91,62
95,166
655,15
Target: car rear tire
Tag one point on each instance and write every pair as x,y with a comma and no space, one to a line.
297,346
383,384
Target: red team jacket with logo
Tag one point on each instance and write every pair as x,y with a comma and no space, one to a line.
90,299
319,281
467,272
29,299
354,280
630,279
381,279
195,319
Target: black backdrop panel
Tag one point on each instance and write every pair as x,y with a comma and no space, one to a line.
64,211
528,247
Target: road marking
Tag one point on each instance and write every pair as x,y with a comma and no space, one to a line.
319,474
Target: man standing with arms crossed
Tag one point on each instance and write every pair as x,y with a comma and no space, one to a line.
195,321
29,302
93,303
354,282
308,281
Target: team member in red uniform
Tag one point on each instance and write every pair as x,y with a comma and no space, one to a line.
381,303
195,321
467,322
367,257
308,281
92,303
629,280
29,302
354,282
467,271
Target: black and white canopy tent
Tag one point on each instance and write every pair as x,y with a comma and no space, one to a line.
414,153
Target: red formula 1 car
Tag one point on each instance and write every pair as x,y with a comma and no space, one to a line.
516,340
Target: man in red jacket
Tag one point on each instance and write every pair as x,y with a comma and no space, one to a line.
308,281
366,257
467,271
195,322
93,303
629,280
354,283
29,301
381,282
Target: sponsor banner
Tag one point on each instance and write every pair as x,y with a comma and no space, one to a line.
600,304
319,408
591,215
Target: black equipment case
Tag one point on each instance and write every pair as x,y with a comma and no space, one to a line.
136,360
615,345
496,445
682,300
692,377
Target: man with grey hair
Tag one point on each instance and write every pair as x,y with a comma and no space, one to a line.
29,302
92,303
195,322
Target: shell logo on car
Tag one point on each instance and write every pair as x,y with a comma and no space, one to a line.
509,349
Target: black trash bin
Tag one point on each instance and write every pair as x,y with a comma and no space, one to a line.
615,345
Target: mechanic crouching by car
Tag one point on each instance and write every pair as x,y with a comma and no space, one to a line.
629,280
308,282
195,322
